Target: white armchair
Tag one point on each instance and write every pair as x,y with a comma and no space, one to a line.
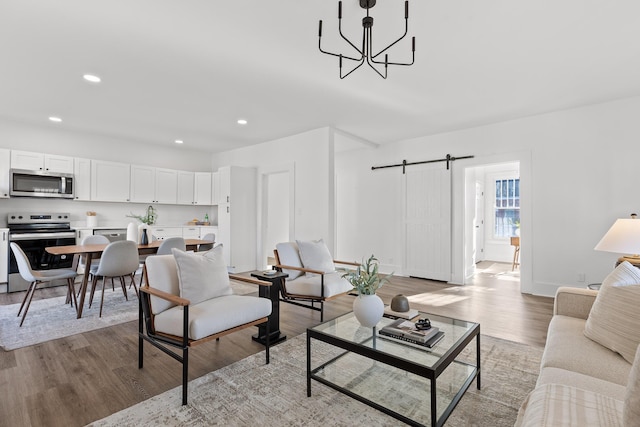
313,277
187,300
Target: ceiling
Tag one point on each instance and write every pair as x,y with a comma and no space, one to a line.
188,69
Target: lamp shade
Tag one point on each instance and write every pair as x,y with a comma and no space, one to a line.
623,237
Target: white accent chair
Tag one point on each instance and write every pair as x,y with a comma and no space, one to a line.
187,300
315,280
42,276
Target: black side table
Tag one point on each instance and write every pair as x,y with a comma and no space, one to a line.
273,293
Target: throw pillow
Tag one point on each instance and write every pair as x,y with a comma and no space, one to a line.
614,320
289,254
316,256
631,411
202,277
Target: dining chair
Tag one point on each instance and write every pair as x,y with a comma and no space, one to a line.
165,249
515,242
41,276
119,259
211,237
94,239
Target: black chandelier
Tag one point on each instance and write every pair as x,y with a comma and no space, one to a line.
366,52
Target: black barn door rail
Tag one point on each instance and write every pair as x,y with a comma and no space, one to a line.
404,163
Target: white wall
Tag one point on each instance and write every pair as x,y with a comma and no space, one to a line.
578,170
311,154
54,140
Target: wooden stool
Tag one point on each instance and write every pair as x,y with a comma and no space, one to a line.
515,241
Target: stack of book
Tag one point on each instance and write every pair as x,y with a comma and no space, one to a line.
400,314
405,330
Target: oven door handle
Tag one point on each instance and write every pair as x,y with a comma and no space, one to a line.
42,236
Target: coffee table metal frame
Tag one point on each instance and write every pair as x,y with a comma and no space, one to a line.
367,348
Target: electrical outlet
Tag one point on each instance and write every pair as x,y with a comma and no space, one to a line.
581,277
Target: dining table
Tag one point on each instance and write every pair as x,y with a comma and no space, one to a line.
92,251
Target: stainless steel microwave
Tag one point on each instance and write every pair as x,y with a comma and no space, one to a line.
29,183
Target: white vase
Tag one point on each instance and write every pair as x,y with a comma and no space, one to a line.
368,309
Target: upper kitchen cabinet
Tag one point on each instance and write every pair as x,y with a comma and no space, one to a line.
185,187
5,157
194,188
153,185
39,161
202,188
109,181
82,178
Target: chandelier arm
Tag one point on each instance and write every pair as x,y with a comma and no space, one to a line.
326,51
361,52
384,76
355,68
406,30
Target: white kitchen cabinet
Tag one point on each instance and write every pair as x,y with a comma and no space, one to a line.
81,233
161,233
5,165
215,188
4,254
191,232
39,161
166,186
82,179
153,185
194,188
143,184
109,181
202,188
185,187
237,229
208,230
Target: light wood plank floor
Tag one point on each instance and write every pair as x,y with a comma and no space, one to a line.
75,380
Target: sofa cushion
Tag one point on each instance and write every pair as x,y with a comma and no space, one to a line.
162,274
334,284
551,375
288,254
557,405
631,413
614,320
569,349
315,256
214,315
202,277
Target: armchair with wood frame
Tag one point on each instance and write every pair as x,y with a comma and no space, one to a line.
313,276
187,301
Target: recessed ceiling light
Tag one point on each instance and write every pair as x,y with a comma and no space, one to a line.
242,121
55,119
179,141
91,78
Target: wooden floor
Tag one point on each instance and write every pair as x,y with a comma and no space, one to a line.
73,381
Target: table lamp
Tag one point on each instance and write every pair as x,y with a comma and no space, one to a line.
623,237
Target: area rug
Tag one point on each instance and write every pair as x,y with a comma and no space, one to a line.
51,318
249,392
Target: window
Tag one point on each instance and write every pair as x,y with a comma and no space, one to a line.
507,207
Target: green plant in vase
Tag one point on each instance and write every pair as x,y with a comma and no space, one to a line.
367,306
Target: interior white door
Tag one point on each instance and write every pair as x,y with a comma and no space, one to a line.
427,223
276,208
478,224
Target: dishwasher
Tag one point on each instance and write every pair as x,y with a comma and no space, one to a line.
113,234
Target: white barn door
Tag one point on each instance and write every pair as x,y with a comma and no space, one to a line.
427,223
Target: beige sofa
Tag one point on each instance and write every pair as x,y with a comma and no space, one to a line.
581,382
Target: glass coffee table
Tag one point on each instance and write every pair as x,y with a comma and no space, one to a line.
415,384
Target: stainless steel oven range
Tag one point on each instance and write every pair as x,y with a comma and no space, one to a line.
33,232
